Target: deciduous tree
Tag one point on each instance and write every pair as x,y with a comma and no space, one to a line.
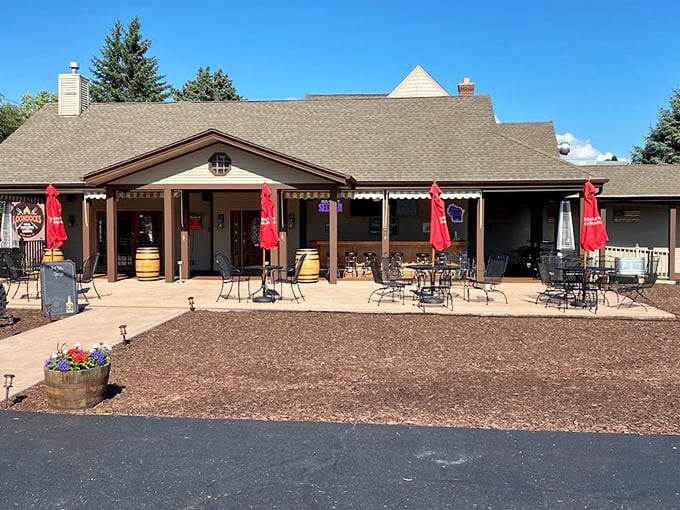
12,116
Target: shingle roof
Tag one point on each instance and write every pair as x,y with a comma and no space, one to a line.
639,180
449,139
539,135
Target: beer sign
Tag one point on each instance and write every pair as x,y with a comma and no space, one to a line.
29,220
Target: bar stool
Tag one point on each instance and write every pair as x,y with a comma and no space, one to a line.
351,263
441,257
395,263
369,256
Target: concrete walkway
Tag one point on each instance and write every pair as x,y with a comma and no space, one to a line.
144,305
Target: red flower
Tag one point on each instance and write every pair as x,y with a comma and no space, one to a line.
79,357
72,351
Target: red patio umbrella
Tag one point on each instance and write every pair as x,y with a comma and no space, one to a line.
55,233
439,230
269,237
593,233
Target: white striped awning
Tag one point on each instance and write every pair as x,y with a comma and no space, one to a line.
20,198
447,194
95,195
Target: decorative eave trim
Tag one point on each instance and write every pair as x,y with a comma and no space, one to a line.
204,139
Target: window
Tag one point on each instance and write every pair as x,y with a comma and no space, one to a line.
219,163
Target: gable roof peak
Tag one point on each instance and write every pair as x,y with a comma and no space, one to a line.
418,83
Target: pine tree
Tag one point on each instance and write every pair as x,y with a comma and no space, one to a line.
662,145
125,73
207,87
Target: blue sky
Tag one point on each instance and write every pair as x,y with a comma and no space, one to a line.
599,70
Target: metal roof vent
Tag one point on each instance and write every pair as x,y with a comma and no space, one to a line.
564,148
74,66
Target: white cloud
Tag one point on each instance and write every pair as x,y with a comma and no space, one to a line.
582,151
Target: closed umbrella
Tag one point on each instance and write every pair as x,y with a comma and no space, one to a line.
269,237
439,230
593,233
55,233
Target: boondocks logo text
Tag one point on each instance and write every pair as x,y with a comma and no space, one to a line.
28,219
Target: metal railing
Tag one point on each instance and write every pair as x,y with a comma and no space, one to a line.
637,251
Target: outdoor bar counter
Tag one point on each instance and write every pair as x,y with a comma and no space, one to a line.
409,248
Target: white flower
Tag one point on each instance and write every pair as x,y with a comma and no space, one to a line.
76,345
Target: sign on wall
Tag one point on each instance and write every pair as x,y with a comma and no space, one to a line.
29,220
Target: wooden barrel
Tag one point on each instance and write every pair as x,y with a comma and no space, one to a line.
76,389
52,255
147,264
309,273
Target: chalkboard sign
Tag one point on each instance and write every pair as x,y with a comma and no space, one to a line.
58,289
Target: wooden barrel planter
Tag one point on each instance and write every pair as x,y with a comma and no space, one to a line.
76,389
147,264
52,255
309,272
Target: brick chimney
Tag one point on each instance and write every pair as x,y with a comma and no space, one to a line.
74,92
466,88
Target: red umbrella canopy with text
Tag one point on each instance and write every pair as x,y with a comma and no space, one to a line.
269,237
55,233
439,230
593,234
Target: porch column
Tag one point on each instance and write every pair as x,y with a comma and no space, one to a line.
480,237
672,241
281,213
168,235
333,236
87,227
385,237
185,251
111,235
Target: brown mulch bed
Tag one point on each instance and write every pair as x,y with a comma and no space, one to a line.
599,375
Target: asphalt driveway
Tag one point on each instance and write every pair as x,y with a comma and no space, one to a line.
70,461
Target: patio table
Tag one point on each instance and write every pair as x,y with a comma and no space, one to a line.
427,293
269,295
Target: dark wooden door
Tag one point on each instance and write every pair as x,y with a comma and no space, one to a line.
245,238
135,229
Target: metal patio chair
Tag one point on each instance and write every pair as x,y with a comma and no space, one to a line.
230,275
492,278
86,275
290,276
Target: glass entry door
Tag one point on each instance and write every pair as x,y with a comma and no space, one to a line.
135,229
245,238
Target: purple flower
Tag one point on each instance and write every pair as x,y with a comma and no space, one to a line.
62,366
98,357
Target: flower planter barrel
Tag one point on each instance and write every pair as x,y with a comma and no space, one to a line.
52,255
76,389
147,264
309,272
